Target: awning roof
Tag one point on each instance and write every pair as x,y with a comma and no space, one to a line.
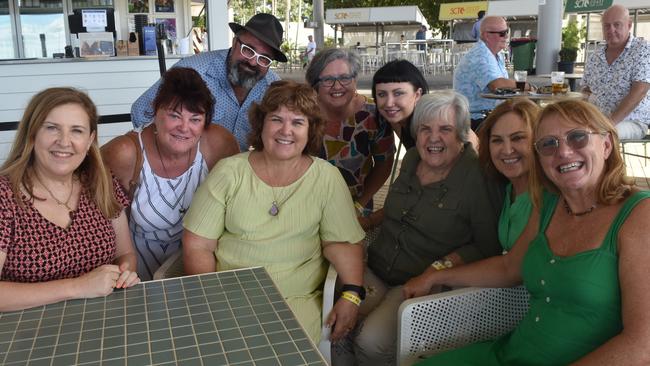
375,16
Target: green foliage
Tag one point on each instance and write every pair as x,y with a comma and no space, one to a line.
329,42
572,37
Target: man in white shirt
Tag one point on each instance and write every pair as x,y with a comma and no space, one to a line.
617,75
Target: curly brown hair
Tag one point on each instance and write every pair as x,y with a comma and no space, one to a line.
295,96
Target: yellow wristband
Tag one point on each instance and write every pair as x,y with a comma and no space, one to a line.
359,207
351,297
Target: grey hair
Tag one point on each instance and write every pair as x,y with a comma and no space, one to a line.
437,105
324,57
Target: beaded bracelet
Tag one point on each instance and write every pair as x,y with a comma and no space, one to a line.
351,297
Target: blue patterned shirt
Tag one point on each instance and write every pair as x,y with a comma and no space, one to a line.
610,84
478,68
212,66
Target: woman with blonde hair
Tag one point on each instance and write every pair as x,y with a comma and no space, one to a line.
64,232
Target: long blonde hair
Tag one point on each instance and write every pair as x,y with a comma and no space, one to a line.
19,166
615,184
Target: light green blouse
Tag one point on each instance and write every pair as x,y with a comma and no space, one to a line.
232,205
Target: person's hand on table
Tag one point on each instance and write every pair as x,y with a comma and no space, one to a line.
127,278
343,318
99,282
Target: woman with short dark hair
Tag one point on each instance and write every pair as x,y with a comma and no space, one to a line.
176,151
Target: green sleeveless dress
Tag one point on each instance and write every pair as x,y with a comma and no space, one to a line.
575,303
514,217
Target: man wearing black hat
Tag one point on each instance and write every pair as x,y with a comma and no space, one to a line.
237,76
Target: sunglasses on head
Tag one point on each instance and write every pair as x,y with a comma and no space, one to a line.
575,139
502,33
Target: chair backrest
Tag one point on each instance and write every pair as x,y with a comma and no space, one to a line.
452,319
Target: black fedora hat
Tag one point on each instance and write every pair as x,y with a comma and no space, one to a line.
267,29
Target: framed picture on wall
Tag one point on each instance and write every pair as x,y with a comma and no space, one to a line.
164,6
169,25
138,6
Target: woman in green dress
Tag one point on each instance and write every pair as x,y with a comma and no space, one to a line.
505,152
584,262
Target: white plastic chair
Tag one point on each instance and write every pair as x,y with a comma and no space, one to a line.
448,320
325,346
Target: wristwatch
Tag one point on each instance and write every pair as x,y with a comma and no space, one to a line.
360,290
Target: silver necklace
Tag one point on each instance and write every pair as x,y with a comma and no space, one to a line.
182,210
59,202
274,210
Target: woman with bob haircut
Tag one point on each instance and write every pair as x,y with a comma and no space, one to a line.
279,207
396,88
176,151
585,262
64,232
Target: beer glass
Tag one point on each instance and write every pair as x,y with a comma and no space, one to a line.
520,79
557,82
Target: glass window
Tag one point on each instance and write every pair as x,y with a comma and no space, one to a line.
6,32
42,27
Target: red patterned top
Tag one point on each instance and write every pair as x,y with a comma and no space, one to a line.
38,250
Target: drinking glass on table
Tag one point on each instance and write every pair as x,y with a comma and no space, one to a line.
557,82
520,79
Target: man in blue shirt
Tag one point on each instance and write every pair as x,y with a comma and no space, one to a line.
483,68
476,28
237,77
421,35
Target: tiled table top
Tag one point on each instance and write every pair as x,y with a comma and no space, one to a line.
235,318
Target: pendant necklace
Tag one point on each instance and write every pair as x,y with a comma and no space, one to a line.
61,203
577,214
276,204
182,209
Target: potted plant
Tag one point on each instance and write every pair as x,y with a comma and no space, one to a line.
571,38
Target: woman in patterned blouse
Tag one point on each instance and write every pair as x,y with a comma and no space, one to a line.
355,141
63,230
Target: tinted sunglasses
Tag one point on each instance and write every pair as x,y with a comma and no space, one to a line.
329,81
501,34
575,139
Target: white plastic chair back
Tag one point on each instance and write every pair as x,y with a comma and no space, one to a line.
325,346
448,320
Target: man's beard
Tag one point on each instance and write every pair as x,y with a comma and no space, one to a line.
238,75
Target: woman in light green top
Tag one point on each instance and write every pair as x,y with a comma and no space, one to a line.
280,208
506,152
